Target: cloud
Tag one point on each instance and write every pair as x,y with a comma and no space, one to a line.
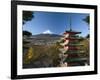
47,32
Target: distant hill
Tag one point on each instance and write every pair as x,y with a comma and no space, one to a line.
45,36
43,39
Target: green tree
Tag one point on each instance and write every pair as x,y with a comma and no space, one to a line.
27,33
27,16
87,19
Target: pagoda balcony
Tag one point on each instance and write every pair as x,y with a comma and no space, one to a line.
70,35
66,42
70,48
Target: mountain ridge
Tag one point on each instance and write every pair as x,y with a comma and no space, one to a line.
46,35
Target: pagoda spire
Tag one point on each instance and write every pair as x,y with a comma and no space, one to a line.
70,23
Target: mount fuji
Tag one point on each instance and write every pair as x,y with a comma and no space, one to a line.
47,32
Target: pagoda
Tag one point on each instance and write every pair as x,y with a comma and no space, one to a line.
70,48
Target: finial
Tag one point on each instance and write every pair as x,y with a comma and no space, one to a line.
70,24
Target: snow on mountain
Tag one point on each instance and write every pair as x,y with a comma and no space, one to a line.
47,32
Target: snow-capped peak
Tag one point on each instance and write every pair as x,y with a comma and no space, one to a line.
47,32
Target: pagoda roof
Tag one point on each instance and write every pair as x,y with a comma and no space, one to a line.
72,38
72,48
74,44
71,32
74,52
75,59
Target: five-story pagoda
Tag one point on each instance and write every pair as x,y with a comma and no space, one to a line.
70,49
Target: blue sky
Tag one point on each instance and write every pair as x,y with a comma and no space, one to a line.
56,23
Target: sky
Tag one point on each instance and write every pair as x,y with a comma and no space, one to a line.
56,23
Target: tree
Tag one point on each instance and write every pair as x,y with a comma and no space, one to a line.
27,16
87,19
27,33
28,57
87,36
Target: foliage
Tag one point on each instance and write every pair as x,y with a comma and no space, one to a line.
85,48
53,52
27,16
39,52
87,36
28,56
87,19
27,33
